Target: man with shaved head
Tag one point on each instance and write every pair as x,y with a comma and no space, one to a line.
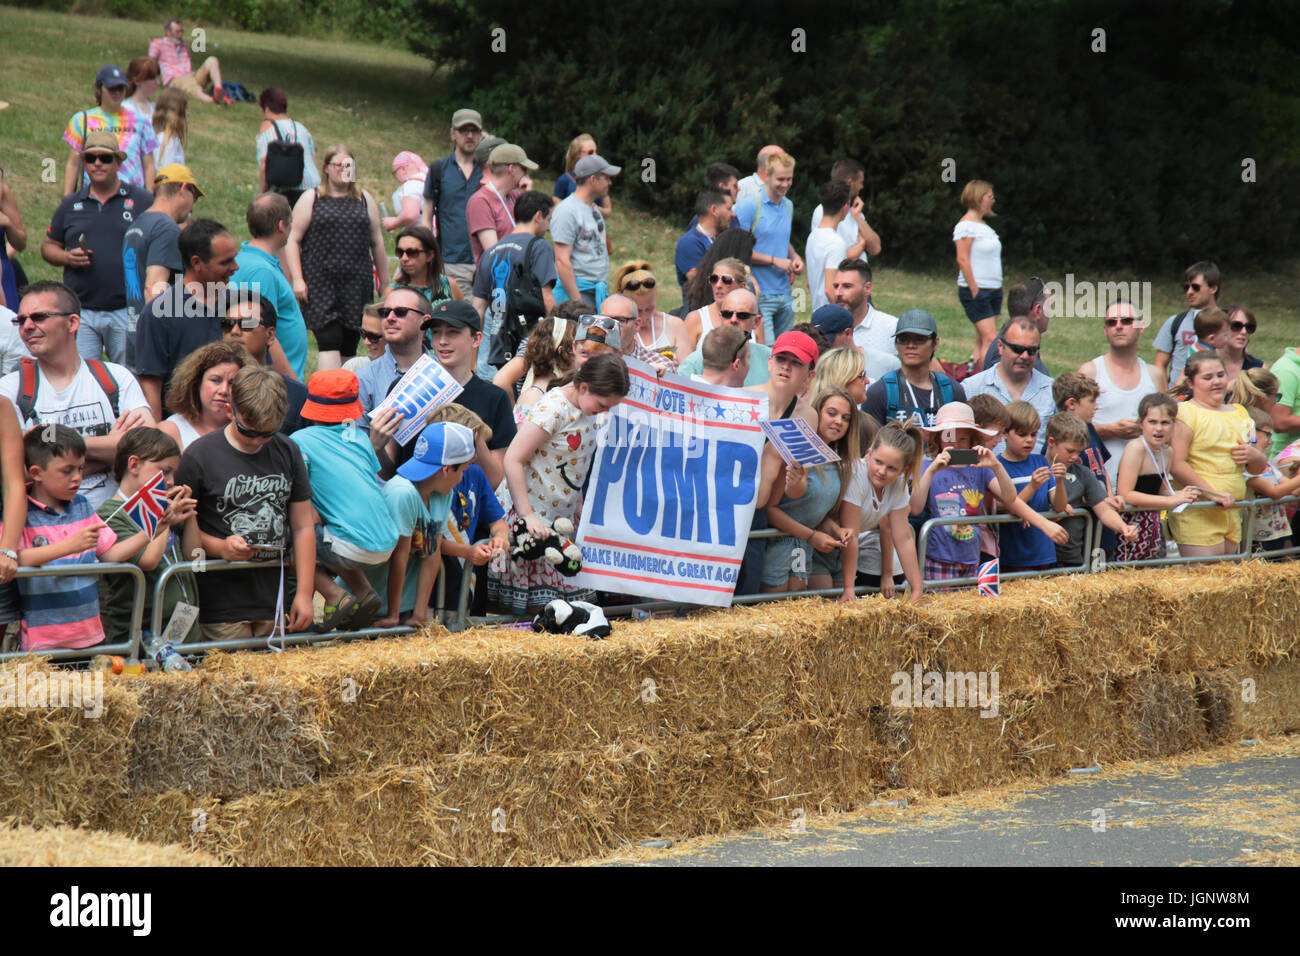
625,310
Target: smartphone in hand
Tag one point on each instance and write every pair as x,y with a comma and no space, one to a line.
963,456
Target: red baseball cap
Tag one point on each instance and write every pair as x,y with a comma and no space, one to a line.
799,344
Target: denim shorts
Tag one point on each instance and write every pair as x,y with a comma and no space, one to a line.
986,305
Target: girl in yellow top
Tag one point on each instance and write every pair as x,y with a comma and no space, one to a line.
1211,447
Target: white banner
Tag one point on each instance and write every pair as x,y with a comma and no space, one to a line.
672,490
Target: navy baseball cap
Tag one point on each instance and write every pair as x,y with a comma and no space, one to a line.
110,76
833,319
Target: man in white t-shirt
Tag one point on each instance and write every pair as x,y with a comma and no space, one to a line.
1177,336
68,390
754,183
1124,380
873,330
825,248
858,236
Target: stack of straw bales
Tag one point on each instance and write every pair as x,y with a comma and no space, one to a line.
502,746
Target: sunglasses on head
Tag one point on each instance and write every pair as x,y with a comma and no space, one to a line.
1122,320
372,337
93,158
411,250
1238,326
37,317
632,285
597,321
733,314
715,278
249,432
741,347
1021,349
397,312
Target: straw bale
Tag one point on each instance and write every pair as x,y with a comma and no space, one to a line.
1159,714
223,737
1219,698
1275,688
61,764
63,846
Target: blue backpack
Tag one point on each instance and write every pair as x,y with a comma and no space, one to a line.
941,383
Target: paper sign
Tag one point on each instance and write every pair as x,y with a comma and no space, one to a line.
672,490
426,386
797,443
182,619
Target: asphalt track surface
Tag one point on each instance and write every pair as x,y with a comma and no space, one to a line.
1239,805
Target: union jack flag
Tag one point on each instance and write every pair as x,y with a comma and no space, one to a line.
988,579
146,506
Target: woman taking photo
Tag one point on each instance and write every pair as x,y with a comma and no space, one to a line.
979,264
135,136
336,246
200,390
1211,447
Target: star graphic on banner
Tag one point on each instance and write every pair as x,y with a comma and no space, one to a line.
753,415
691,406
720,410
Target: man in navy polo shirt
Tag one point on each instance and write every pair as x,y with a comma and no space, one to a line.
86,238
712,214
188,315
447,188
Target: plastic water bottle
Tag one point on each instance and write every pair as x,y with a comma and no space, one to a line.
168,658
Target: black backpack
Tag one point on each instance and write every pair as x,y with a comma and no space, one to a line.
284,161
524,309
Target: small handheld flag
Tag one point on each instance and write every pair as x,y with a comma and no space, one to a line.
988,579
148,505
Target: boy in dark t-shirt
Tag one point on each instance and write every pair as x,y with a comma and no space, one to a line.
253,493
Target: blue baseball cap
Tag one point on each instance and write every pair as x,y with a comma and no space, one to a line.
110,76
439,445
833,319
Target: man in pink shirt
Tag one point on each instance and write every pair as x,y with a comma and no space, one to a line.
173,56
490,212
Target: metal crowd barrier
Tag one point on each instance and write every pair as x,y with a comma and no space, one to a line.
79,570
462,619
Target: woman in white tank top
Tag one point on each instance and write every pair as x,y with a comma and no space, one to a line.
655,331
726,276
199,393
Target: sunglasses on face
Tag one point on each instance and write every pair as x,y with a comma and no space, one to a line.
91,159
468,130
37,317
912,341
1239,326
1193,286
1124,320
715,278
740,348
397,312
249,432
733,314
372,337
247,324
411,251
1021,349
632,285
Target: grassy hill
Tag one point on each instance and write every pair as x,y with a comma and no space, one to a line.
381,100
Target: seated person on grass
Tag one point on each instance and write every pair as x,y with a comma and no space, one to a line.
419,498
353,529
253,494
142,454
62,528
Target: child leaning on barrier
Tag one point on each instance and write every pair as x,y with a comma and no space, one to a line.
1144,477
62,529
991,414
1272,527
142,455
953,491
353,528
809,553
877,498
254,503
1025,548
1067,438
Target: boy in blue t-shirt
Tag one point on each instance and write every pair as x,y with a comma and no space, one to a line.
1026,548
354,531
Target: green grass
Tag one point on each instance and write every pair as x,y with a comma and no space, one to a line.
380,101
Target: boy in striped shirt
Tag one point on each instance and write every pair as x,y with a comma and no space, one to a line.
62,528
